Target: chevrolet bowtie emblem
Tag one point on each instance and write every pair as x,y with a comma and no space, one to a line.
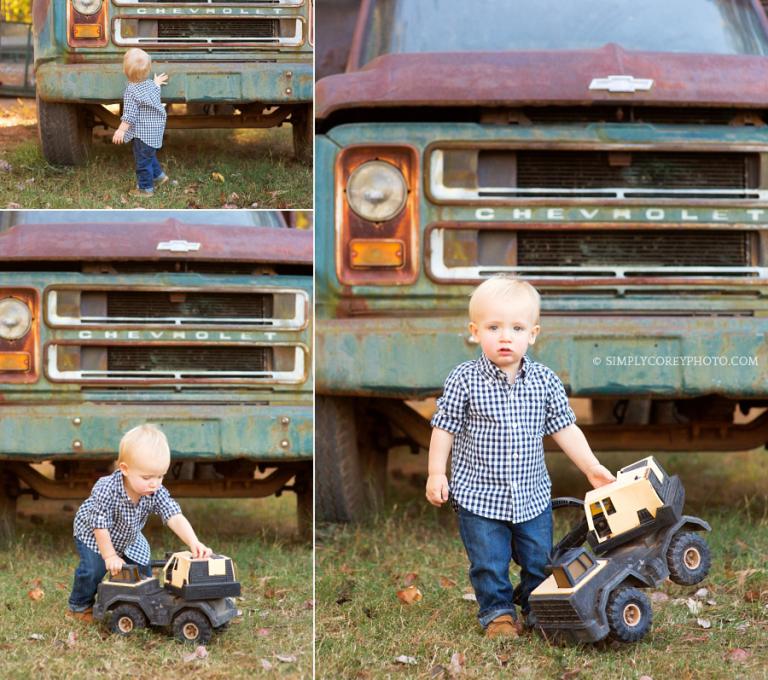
178,246
621,84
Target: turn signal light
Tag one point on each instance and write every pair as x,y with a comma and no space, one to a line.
83,31
376,253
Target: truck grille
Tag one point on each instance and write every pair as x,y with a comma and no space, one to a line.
192,3
493,174
554,612
158,305
188,360
225,28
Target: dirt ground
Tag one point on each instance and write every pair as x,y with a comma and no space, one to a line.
18,121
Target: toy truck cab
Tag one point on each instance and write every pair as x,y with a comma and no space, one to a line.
198,579
245,63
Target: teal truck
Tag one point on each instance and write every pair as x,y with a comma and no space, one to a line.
197,321
613,154
234,64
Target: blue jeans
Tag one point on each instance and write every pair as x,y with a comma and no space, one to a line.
491,545
88,575
147,166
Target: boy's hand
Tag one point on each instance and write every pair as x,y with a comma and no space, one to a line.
599,475
437,489
114,564
119,136
199,550
160,79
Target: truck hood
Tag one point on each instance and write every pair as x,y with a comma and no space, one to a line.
546,78
155,241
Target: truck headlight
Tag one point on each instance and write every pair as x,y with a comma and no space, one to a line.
15,319
87,7
376,191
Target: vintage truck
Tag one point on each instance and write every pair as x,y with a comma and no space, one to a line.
197,321
238,64
614,155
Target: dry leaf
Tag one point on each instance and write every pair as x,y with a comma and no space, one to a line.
263,632
437,672
704,623
61,586
286,658
410,578
346,569
405,660
470,597
446,582
230,206
233,197
13,206
266,665
36,636
457,664
569,675
658,596
36,594
645,677
36,582
5,166
701,592
739,655
693,606
409,595
309,604
71,639
200,653
217,177
752,596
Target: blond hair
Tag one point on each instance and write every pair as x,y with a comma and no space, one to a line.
143,439
136,65
501,286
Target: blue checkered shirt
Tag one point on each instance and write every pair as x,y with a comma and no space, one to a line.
497,460
144,111
109,507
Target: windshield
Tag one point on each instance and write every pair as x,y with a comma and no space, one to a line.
693,26
209,218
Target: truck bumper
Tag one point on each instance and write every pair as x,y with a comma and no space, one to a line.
204,432
611,357
238,82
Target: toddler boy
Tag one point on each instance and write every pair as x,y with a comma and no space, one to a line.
143,120
108,524
492,417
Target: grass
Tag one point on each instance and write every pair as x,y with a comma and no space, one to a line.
274,568
362,627
208,169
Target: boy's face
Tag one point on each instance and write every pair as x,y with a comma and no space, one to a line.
144,474
505,327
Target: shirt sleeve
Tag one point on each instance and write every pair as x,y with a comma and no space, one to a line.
452,405
559,412
102,510
130,108
164,505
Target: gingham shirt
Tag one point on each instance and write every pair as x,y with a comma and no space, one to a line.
109,507
143,110
497,460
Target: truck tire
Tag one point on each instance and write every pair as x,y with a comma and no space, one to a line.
192,626
65,133
127,618
688,558
350,480
629,614
302,125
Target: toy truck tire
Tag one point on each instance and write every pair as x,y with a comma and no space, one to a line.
192,626
688,558
65,135
127,618
302,124
629,614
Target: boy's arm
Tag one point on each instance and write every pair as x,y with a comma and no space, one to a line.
112,560
129,117
437,482
574,444
180,526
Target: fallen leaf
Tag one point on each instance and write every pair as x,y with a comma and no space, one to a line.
286,658
739,655
190,190
36,636
309,604
13,206
409,595
266,665
753,596
5,166
437,672
645,677
71,639
405,660
410,577
569,675
704,623
346,569
470,597
233,197
123,200
446,582
200,653
254,205
217,177
61,586
230,206
457,664
36,594
658,596
263,632
701,592
36,582
693,606
711,603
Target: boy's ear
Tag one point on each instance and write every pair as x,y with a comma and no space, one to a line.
123,467
473,330
534,332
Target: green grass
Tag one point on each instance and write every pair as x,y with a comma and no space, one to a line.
362,627
256,167
273,566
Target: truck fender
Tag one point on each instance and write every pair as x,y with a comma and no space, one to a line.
687,522
627,577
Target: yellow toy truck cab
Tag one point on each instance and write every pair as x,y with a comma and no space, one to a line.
200,578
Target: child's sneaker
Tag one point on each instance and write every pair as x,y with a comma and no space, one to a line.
502,626
85,616
141,193
161,179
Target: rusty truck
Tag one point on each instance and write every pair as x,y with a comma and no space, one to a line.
615,155
238,64
197,321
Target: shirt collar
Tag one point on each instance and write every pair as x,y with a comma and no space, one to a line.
493,372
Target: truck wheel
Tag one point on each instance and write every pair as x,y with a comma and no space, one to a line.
302,124
192,626
688,558
65,133
9,486
350,479
126,618
629,614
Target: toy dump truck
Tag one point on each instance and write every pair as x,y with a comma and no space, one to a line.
193,597
638,537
